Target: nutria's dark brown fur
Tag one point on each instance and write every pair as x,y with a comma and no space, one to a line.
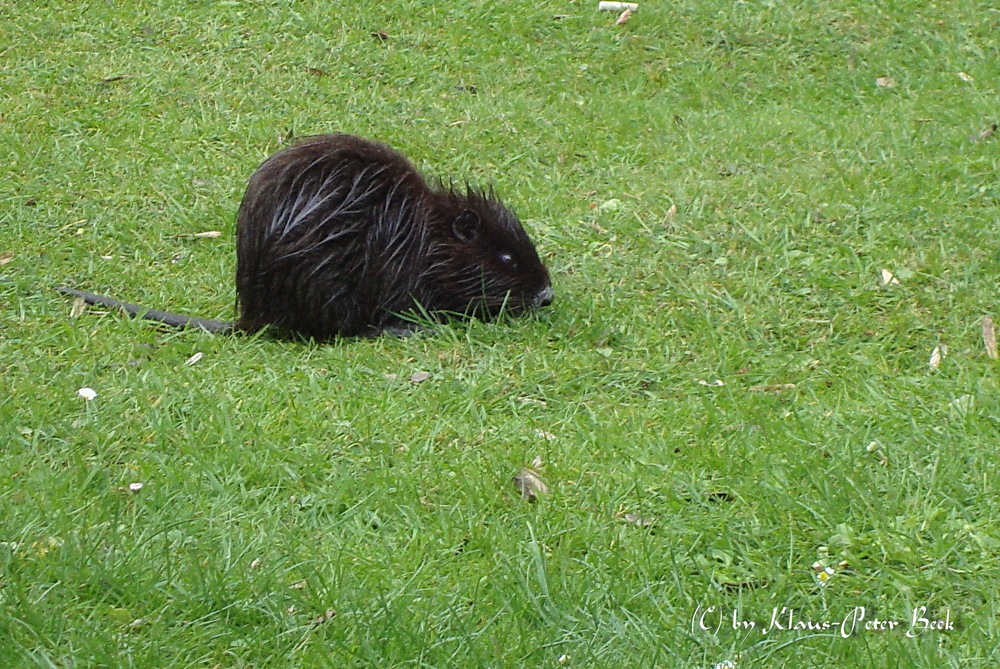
341,236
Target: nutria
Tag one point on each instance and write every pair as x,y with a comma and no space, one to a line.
341,236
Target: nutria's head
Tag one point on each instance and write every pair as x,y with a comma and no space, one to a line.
483,261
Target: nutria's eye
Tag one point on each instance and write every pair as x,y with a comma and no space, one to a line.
507,259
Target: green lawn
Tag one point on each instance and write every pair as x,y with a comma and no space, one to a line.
727,397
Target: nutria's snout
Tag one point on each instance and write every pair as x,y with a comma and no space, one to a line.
544,297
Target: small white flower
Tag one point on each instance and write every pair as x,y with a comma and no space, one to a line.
87,393
824,576
135,487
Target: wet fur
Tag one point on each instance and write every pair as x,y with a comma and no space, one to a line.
340,235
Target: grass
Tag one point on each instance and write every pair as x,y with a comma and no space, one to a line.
716,187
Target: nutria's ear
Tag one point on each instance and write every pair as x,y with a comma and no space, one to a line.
466,226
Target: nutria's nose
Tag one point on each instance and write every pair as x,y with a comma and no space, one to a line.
544,297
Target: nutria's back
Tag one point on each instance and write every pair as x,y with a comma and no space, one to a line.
339,235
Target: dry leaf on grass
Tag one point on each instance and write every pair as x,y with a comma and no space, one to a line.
888,279
616,6
78,308
193,360
207,234
635,519
987,133
772,388
989,337
6,258
623,17
419,377
963,404
330,614
876,448
530,484
966,78
937,355
885,82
